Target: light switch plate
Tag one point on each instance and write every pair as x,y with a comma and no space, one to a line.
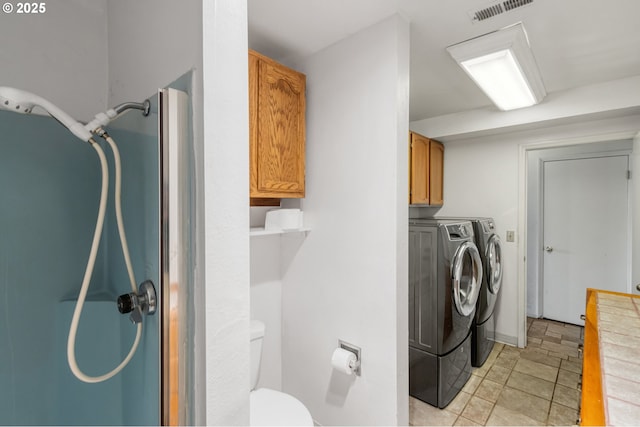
511,236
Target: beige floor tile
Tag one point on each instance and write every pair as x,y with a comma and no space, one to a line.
506,417
571,366
481,371
569,343
507,361
559,355
477,410
524,403
556,328
534,340
423,414
509,349
559,348
540,323
462,421
458,403
568,378
572,329
576,360
539,370
496,394
552,337
472,384
498,374
562,416
536,356
570,338
489,390
567,396
531,385
536,333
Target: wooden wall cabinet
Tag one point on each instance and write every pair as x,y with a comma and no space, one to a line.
276,130
426,170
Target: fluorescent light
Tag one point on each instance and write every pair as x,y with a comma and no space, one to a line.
502,65
499,76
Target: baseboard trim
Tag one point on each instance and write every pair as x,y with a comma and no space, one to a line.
506,339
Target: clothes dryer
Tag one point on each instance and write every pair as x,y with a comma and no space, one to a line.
445,273
490,248
483,329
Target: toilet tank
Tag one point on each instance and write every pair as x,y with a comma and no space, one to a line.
257,334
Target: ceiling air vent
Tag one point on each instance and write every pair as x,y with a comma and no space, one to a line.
496,8
512,4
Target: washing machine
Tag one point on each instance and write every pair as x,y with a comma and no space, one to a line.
445,273
483,328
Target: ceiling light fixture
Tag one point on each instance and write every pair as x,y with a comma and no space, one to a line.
502,65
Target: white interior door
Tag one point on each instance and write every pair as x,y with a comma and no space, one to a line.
585,237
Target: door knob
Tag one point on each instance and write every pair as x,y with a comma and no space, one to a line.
548,248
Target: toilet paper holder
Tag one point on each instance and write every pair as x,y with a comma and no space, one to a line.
355,350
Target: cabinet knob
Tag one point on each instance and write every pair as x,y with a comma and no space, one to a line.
638,287
548,248
583,317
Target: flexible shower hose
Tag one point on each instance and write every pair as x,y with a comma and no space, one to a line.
73,329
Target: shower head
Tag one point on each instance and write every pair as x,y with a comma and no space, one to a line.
22,101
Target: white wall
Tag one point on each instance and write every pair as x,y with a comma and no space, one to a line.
482,179
348,278
635,213
60,55
151,43
266,305
226,210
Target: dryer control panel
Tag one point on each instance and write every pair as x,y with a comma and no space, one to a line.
459,231
487,226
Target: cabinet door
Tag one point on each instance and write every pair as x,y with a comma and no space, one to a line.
419,169
277,130
436,173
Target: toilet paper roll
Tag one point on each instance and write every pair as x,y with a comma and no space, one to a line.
343,360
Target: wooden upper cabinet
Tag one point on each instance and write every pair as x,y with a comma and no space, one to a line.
419,177
276,129
436,173
426,169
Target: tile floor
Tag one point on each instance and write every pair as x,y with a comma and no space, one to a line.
537,385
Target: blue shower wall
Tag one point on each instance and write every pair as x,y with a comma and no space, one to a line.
49,191
48,206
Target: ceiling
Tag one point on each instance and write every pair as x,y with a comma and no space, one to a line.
575,42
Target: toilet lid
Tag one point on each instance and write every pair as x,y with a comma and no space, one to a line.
273,408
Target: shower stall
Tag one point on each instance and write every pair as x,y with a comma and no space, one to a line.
50,186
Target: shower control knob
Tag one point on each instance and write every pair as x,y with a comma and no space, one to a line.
125,304
144,302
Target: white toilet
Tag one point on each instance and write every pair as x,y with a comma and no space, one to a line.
271,407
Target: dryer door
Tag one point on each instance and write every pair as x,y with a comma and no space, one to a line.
493,256
466,276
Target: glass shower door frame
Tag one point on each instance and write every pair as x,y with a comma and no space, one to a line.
175,249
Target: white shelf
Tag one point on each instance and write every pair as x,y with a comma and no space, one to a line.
260,231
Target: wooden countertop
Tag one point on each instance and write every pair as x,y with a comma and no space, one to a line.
611,365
